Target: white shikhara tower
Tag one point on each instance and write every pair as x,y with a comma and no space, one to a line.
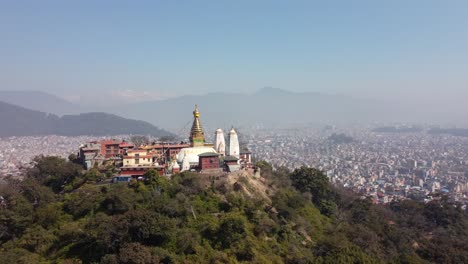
233,144
220,145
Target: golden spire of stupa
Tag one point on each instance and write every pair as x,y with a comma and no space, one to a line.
195,112
197,137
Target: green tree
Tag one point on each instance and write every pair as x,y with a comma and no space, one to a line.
149,227
232,229
83,201
316,183
16,217
51,215
119,199
73,158
54,172
93,175
187,241
37,239
136,253
37,194
21,256
151,177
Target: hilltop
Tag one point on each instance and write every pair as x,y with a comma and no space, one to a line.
60,214
40,101
19,121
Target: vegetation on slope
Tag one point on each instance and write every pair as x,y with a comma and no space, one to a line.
20,121
58,214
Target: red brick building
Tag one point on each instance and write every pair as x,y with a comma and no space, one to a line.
167,151
140,171
110,148
114,148
125,146
208,160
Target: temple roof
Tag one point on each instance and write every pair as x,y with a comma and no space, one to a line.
230,158
197,137
208,154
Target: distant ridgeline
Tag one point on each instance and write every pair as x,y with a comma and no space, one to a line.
403,129
461,132
19,121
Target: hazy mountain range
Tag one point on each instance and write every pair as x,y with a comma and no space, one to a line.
268,107
272,107
19,121
41,101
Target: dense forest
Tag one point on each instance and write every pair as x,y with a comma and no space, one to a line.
61,214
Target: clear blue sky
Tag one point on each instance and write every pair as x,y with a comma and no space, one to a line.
147,49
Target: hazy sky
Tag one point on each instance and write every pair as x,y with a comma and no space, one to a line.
132,50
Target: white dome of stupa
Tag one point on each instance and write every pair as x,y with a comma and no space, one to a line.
191,154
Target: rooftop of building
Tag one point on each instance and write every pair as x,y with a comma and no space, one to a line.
143,167
110,142
165,145
126,144
89,148
231,158
137,150
141,157
208,154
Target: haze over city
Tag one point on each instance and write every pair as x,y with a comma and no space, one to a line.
204,131
411,53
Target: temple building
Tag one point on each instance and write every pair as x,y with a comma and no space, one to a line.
246,157
233,144
202,156
208,161
220,145
169,157
189,157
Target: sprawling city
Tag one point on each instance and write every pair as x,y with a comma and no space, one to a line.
384,166
263,132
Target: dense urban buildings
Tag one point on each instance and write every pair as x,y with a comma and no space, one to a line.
385,166
17,153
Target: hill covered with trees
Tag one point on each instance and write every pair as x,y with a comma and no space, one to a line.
60,214
19,121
